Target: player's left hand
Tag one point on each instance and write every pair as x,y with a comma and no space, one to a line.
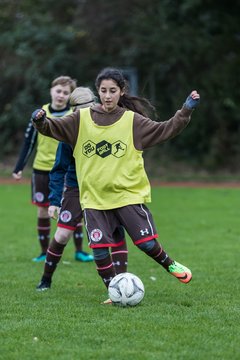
192,100
17,176
53,211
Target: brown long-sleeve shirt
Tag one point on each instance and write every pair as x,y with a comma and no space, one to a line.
146,132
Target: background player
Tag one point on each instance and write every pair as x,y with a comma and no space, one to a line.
60,91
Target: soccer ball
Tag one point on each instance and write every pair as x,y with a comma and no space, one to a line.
126,289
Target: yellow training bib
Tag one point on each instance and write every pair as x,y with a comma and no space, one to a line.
110,170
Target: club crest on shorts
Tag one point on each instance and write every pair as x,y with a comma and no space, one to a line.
65,216
96,235
39,197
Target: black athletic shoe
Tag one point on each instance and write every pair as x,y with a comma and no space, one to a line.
43,285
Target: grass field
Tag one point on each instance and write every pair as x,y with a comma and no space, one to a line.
200,320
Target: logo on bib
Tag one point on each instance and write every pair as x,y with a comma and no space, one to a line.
104,149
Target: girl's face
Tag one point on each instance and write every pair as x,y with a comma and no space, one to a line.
60,95
109,93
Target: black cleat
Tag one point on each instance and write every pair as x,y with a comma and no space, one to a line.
44,285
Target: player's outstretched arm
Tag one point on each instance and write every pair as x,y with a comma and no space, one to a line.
64,128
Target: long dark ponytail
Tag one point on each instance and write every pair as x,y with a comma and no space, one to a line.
134,103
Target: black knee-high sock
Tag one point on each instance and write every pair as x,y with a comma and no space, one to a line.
54,254
43,228
120,258
105,270
78,237
159,255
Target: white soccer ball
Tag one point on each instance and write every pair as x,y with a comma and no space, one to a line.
126,289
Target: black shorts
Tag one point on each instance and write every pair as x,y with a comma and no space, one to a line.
40,188
71,212
101,225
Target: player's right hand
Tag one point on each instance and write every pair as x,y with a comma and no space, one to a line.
38,115
53,211
17,176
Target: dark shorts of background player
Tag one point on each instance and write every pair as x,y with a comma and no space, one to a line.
71,212
102,225
40,188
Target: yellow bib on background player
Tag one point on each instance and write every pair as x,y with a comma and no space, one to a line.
110,170
46,148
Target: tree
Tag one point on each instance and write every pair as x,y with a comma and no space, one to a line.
175,47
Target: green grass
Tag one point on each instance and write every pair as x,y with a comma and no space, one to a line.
198,227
